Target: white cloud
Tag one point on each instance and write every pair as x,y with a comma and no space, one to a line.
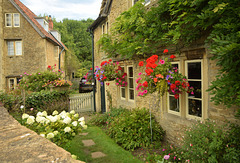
71,9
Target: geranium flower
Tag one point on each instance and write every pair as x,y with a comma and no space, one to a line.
141,63
165,51
145,84
176,96
177,82
172,56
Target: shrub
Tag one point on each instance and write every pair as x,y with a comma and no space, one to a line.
132,130
10,101
59,128
106,118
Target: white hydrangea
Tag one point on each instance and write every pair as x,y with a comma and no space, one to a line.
76,115
67,120
55,132
42,135
50,135
52,118
81,119
44,113
40,119
25,116
74,123
82,123
63,115
55,112
39,114
72,112
30,120
67,129
84,126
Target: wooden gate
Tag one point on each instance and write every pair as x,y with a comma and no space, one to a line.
82,102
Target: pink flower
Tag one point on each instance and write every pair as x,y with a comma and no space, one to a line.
163,149
166,157
191,145
20,75
25,73
39,73
145,91
162,61
139,73
31,109
117,83
174,157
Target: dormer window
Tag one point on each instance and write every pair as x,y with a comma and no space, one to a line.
12,20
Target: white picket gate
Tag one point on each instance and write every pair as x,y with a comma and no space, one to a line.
82,102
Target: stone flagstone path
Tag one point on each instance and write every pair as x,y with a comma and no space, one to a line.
90,142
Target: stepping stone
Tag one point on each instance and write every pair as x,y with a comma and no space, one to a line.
97,154
88,143
84,134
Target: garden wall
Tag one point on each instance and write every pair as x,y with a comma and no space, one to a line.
20,144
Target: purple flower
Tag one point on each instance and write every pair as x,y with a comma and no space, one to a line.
167,77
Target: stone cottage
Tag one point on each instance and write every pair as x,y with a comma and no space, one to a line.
27,43
174,115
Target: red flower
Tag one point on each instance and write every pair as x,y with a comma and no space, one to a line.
176,96
165,51
172,56
172,86
107,84
148,71
110,60
145,84
49,67
103,63
90,68
177,82
141,63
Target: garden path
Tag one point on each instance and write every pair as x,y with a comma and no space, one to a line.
20,144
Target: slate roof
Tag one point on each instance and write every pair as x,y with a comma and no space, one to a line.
30,16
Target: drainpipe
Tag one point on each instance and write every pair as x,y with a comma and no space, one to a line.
93,76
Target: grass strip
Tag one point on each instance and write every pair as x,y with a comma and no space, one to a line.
104,144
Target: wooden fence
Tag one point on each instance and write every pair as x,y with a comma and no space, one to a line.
82,102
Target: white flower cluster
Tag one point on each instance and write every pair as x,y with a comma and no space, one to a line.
51,125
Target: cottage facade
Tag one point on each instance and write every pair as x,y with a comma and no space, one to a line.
27,43
173,115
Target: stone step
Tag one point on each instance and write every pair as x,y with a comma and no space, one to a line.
98,154
88,143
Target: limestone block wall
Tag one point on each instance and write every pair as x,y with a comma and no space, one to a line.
1,45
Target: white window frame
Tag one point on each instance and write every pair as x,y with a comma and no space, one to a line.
187,98
128,87
17,50
168,97
9,84
14,20
123,98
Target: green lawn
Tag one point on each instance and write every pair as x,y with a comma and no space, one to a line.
104,144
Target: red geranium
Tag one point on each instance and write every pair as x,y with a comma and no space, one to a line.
172,56
176,96
165,51
172,86
141,63
177,82
145,84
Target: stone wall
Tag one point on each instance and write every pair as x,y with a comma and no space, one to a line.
20,144
174,124
1,45
37,52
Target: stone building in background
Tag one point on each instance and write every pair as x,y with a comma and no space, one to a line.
28,43
173,115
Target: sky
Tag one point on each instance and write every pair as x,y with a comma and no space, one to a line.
60,9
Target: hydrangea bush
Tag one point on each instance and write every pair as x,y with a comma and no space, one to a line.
59,128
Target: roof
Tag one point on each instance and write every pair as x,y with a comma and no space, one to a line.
30,16
104,12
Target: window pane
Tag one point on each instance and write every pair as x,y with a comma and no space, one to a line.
18,80
174,104
194,70
130,71
195,107
11,84
197,85
130,83
16,20
10,47
131,94
18,45
8,20
123,94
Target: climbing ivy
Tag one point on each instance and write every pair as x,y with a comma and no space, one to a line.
140,32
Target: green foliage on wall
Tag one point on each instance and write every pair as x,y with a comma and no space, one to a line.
140,32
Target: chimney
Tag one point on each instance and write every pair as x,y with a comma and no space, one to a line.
50,23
